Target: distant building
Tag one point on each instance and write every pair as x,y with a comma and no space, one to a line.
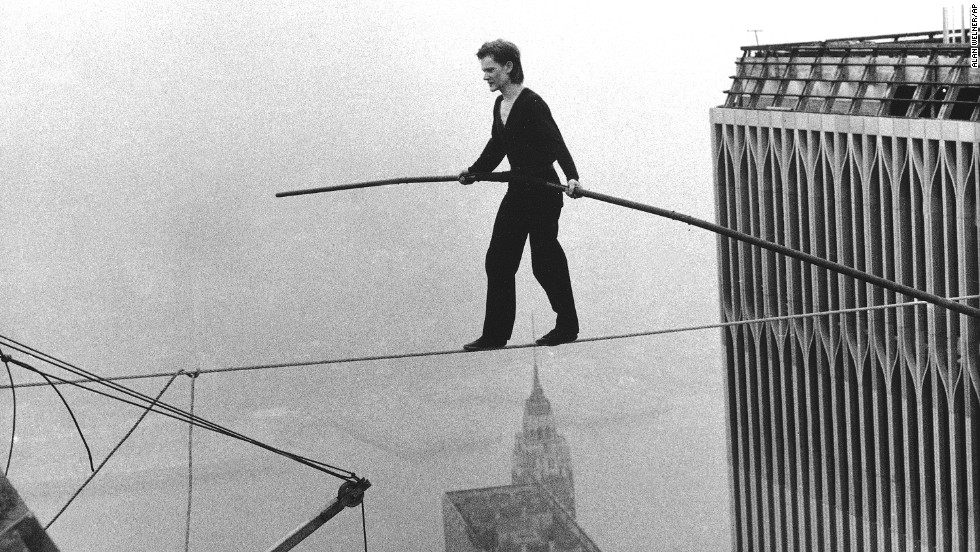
856,431
541,454
20,531
536,512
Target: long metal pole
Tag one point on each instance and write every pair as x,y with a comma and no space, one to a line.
747,238
783,250
372,184
350,494
734,234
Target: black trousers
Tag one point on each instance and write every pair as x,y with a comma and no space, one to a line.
524,215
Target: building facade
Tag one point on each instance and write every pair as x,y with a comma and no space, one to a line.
855,431
536,512
20,530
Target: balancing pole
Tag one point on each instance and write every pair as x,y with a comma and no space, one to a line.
775,247
372,184
717,229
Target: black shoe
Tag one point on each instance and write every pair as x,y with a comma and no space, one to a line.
557,337
485,344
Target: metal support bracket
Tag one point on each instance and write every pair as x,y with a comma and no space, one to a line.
350,494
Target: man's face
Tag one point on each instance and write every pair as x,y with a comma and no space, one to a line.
495,74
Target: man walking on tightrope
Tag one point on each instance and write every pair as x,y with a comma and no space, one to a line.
524,131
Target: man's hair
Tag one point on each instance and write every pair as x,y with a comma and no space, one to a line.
501,52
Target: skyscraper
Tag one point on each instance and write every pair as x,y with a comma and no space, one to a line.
856,431
536,512
541,453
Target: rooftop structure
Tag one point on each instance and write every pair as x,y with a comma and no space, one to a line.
19,529
914,75
536,512
857,430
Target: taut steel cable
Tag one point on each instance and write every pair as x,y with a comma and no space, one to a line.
351,360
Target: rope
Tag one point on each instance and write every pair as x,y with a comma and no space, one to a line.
168,410
13,428
6,361
352,360
113,451
364,524
190,466
177,414
73,419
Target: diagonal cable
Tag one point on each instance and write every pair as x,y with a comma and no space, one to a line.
364,525
190,467
73,419
13,428
165,409
113,451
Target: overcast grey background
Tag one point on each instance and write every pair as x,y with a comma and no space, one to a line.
141,144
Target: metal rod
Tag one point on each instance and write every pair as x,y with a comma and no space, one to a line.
372,184
963,23
806,257
718,229
873,62
892,36
747,238
848,97
351,494
852,81
945,27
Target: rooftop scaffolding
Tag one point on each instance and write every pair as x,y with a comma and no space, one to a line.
909,75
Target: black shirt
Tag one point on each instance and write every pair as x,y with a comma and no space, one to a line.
530,140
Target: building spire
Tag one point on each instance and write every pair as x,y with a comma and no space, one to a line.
537,404
536,388
541,454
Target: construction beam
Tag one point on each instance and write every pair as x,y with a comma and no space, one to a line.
350,494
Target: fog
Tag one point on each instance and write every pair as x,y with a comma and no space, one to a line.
141,146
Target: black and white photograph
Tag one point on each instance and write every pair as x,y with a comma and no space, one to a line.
463,276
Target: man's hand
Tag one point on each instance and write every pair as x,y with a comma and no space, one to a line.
466,178
573,188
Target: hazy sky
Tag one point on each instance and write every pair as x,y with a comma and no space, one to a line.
141,145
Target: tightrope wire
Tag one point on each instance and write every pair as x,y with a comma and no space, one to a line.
177,414
351,360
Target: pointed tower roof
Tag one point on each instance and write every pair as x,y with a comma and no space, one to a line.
537,404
